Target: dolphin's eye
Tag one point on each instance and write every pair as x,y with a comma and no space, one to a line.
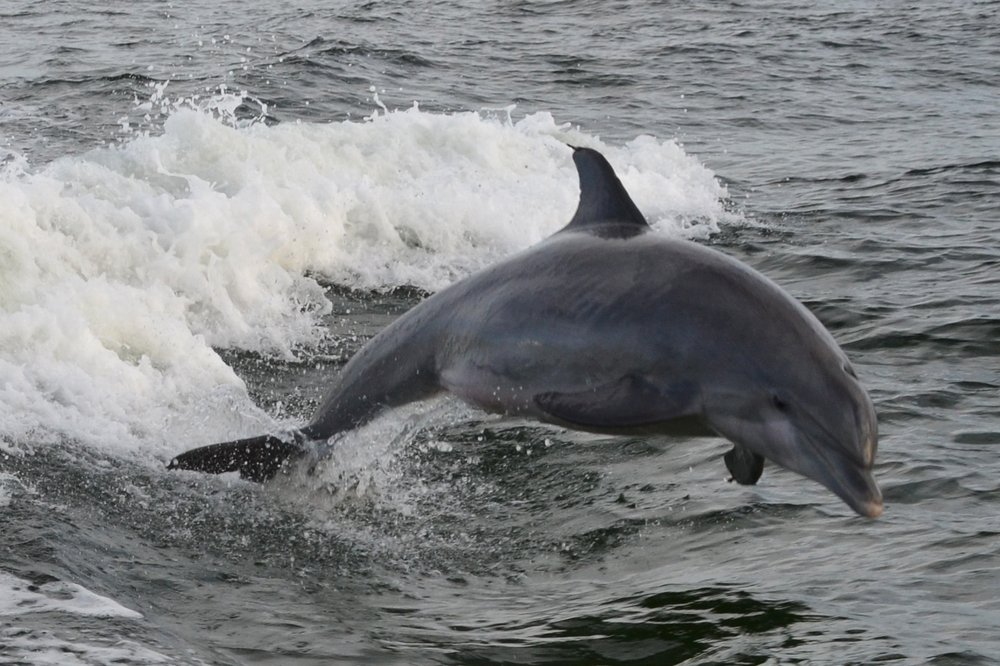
779,403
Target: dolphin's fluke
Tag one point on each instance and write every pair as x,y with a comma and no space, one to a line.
256,458
603,199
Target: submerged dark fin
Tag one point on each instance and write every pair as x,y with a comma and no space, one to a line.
745,465
256,458
603,199
629,402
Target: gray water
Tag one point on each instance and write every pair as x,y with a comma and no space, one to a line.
860,148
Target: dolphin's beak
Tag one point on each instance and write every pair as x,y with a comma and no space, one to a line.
855,485
851,480
874,508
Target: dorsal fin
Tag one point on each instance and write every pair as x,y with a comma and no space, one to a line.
603,199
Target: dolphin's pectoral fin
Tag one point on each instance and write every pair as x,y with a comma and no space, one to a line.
630,402
256,459
745,465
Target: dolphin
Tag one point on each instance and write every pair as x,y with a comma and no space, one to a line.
609,328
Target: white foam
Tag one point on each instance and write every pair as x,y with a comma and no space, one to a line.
363,464
41,648
121,269
6,483
19,597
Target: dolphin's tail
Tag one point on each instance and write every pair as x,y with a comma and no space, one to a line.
256,458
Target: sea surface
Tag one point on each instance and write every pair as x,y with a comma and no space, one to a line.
207,207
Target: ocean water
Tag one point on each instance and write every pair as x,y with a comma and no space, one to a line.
206,208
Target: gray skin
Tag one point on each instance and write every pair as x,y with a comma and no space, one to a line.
608,328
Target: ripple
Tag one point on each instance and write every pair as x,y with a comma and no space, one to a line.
665,627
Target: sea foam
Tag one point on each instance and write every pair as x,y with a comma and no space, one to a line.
57,637
56,597
123,269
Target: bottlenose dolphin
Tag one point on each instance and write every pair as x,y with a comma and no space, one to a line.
606,327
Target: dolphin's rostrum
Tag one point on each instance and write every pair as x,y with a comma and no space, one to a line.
606,327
